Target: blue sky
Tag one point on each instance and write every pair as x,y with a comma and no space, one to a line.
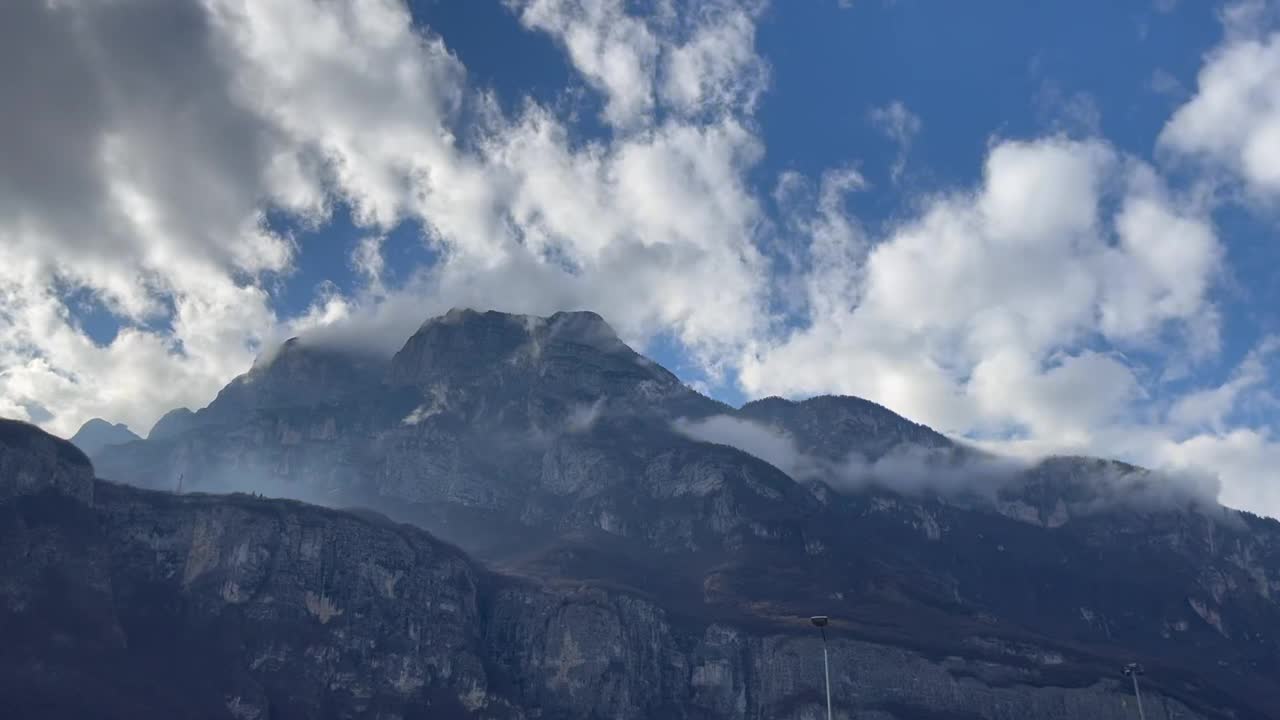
1045,227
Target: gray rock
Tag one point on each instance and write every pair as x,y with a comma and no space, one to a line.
32,462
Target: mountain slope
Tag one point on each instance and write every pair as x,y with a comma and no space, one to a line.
117,602
549,449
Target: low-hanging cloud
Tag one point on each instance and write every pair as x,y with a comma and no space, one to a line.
907,468
1088,485
773,446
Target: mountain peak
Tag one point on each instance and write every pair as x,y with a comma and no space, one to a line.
834,426
173,423
466,341
33,461
583,326
534,368
297,373
98,433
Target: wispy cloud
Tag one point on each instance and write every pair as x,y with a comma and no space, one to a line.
900,125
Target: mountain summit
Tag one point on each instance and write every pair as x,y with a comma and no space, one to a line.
97,434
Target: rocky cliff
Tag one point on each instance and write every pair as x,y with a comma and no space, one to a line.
635,570
143,603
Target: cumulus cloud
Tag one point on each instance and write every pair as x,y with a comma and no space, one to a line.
1233,119
971,314
130,173
688,59
1241,459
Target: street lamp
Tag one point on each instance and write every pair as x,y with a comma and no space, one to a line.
1133,670
820,622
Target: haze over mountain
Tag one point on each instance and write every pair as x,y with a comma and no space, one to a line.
625,559
97,434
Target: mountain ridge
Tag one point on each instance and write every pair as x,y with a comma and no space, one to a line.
96,434
516,643
562,462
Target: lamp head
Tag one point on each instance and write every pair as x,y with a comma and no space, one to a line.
819,620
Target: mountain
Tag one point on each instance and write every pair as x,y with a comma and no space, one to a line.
97,434
628,565
834,427
173,423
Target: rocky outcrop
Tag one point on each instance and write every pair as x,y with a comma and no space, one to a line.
33,462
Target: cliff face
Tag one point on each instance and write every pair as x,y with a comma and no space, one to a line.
151,604
634,571
34,462
146,604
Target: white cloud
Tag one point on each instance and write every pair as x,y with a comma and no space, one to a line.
368,261
971,315
900,125
615,51
130,173
1244,459
907,468
1233,120
716,69
693,58
1210,408
774,447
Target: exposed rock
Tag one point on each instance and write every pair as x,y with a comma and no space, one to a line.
33,462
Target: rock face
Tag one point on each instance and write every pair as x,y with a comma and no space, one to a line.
33,462
155,605
634,572
97,434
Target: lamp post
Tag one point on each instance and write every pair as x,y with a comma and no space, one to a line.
820,622
1133,670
